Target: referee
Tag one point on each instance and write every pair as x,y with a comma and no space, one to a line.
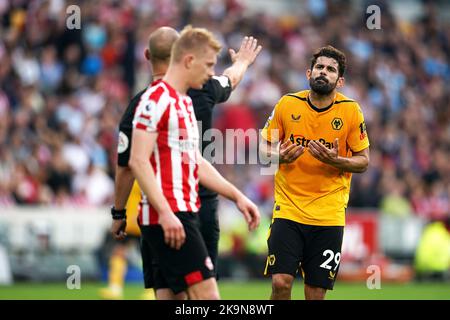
216,90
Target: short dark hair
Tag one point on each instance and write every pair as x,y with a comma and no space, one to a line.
331,52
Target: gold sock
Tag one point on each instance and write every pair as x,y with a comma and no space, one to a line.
117,269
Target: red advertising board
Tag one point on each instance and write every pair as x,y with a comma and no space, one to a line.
360,236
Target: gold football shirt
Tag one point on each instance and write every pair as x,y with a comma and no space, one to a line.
307,190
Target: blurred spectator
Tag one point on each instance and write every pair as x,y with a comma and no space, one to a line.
432,258
96,185
394,202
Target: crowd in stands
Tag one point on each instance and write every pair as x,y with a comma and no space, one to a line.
63,91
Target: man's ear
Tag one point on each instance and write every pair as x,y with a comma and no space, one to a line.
188,61
147,54
308,74
340,82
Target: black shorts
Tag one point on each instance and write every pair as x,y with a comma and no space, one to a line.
147,264
209,227
315,250
178,269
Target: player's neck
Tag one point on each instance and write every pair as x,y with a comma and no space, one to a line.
159,71
176,80
157,76
321,101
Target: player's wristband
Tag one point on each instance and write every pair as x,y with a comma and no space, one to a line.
118,214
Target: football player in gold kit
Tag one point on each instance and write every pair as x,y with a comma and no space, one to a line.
318,137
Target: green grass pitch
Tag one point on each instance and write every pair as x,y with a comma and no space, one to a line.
246,290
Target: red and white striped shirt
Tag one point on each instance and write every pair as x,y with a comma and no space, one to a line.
174,159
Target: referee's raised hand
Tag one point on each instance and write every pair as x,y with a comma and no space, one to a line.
174,235
248,51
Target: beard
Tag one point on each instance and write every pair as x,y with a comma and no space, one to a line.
321,87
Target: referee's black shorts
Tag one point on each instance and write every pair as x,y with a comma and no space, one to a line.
147,264
178,269
209,227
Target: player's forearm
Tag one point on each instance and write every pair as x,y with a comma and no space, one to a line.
354,164
123,183
211,179
147,181
236,72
